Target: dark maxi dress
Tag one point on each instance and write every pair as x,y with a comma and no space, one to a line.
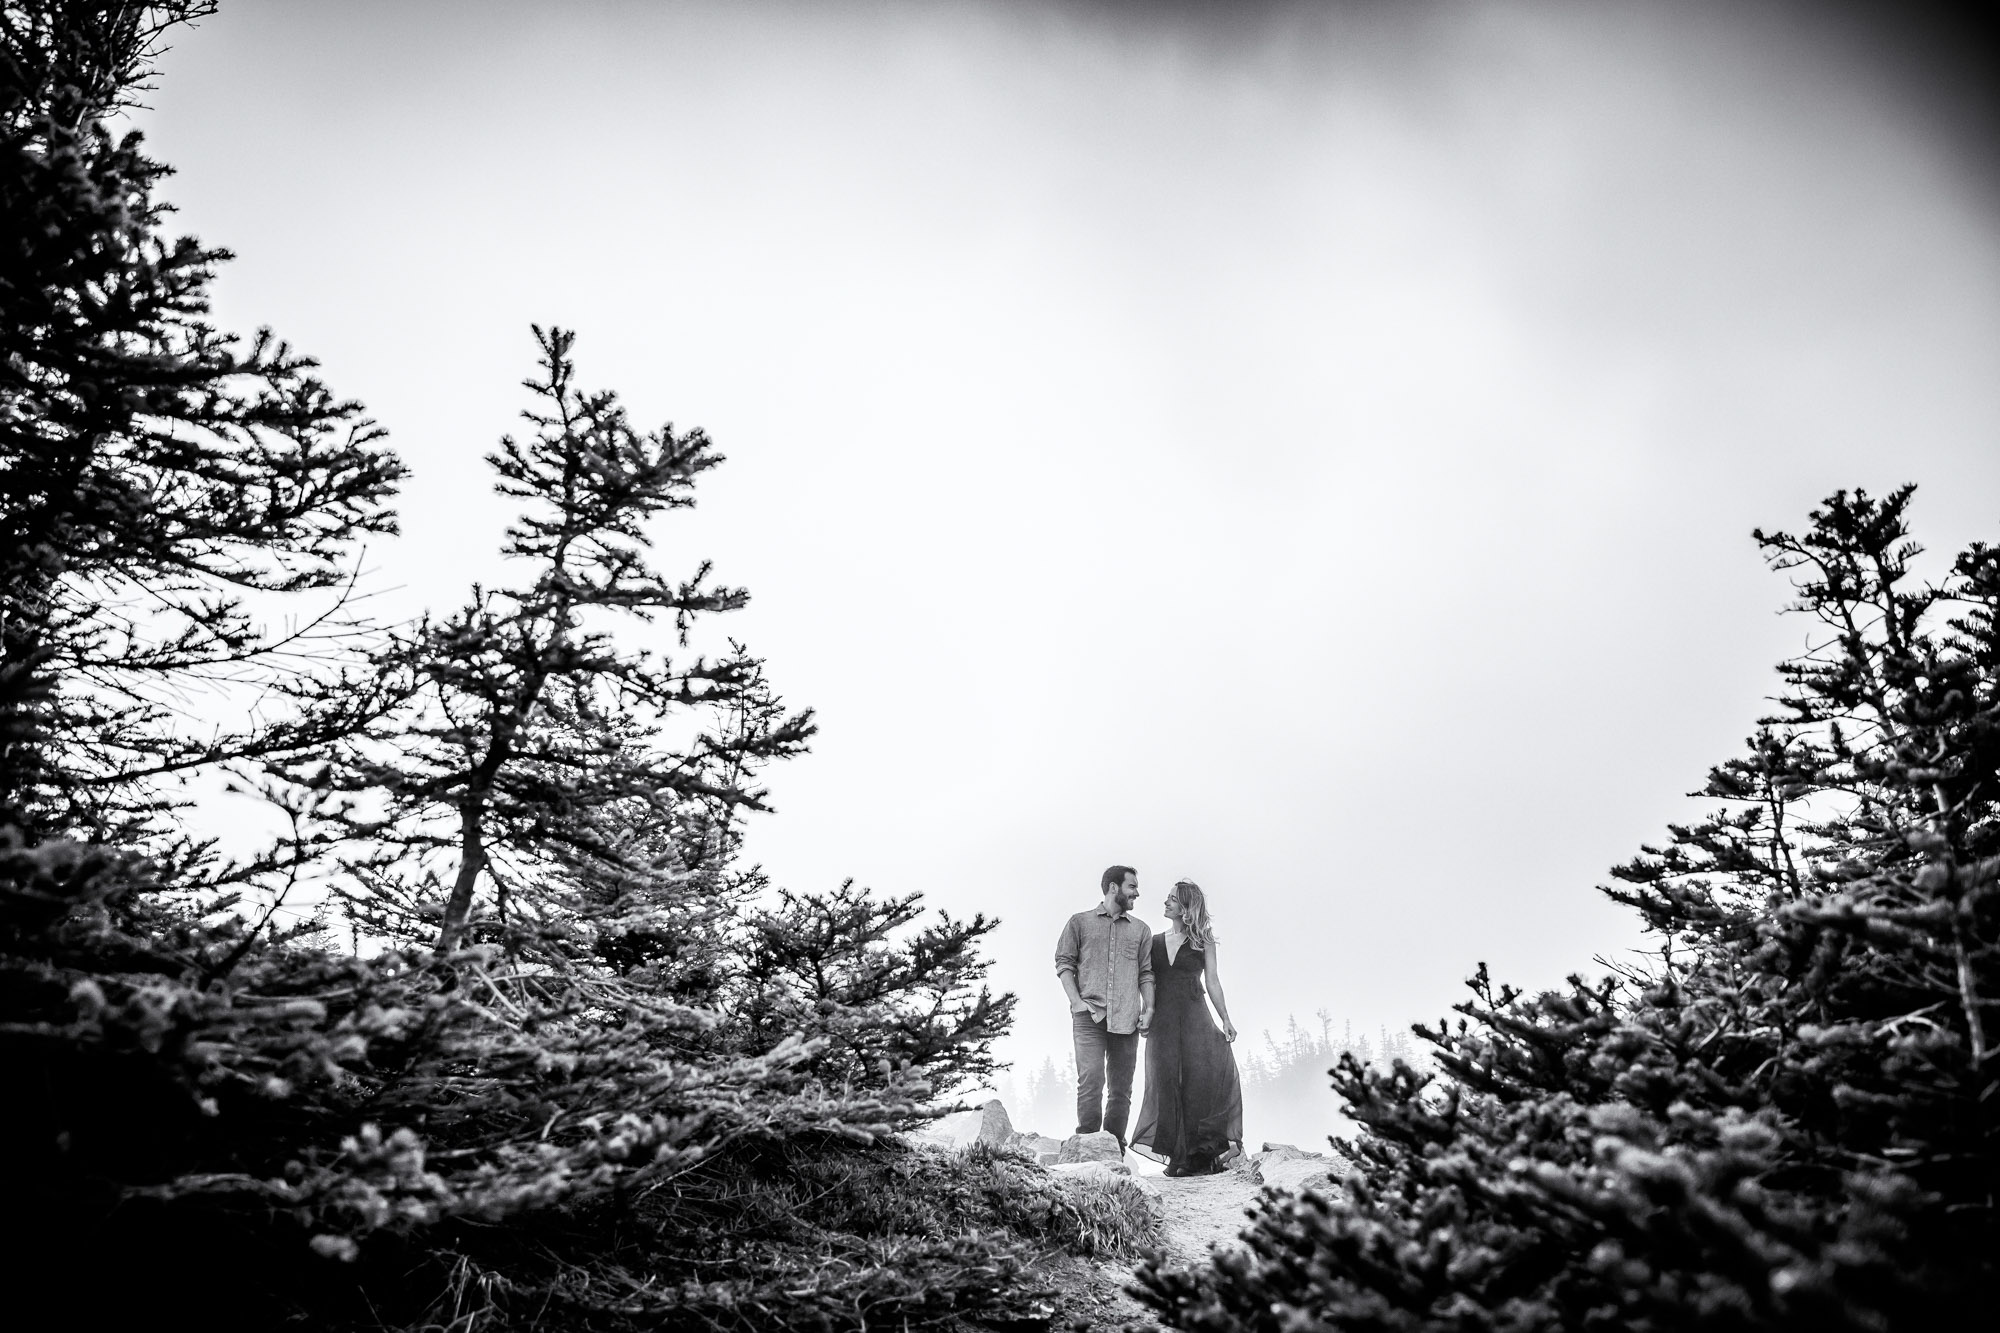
1194,1105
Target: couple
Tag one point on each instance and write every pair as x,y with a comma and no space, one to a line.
1122,980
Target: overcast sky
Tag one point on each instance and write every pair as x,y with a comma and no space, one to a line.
1313,452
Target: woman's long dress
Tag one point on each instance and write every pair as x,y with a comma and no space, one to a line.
1194,1105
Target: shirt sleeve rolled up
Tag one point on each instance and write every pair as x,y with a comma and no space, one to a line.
1069,946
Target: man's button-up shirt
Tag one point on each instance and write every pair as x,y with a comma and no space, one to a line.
1111,958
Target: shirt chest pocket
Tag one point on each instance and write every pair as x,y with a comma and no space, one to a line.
1125,946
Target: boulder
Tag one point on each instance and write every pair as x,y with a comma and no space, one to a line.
1283,1166
1103,1146
962,1129
1041,1147
1296,1173
994,1126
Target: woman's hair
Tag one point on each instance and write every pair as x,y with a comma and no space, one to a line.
1194,922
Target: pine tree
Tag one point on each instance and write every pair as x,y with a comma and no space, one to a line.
1787,1120
593,1111
160,482
531,748
831,966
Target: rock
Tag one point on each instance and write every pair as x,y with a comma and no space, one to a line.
994,1126
1041,1147
962,1129
1103,1146
1283,1166
1284,1152
1295,1173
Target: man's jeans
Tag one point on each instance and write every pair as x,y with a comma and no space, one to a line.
1098,1049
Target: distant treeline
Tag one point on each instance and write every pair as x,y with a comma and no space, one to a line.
1287,1082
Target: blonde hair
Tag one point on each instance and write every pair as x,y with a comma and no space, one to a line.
1194,921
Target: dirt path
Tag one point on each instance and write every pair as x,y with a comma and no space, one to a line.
1198,1213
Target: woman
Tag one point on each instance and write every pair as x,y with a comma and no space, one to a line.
1193,1113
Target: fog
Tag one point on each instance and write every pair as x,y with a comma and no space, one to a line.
1312,450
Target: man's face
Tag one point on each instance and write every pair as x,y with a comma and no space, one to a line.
1126,893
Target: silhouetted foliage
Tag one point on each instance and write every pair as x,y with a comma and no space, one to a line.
529,741
1788,1121
832,965
387,1143
626,1090
157,476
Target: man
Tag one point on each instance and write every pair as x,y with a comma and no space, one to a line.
1104,959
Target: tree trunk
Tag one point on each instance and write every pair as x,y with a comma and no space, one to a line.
471,860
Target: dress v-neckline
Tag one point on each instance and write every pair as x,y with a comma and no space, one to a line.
1173,951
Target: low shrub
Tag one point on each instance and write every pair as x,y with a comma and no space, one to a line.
404,1143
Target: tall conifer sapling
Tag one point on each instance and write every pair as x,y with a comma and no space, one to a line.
530,740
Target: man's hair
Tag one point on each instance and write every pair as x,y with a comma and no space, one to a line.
1115,875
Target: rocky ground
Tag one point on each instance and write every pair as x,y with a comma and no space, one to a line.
1197,1213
